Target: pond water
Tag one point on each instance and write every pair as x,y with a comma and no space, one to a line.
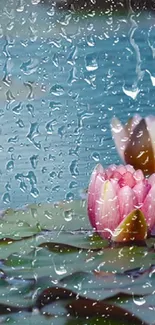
63,76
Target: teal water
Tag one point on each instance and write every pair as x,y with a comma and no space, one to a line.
63,77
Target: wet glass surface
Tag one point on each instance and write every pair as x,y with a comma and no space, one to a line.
63,76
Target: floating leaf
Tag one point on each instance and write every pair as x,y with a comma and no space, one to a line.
55,263
50,216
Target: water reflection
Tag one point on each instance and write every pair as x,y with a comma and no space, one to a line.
63,77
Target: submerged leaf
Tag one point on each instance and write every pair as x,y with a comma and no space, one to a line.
89,308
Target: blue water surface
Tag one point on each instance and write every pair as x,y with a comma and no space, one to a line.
63,77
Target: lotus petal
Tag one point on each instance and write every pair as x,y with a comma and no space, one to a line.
148,207
127,180
150,122
127,201
151,179
110,170
116,175
121,169
139,151
141,190
93,190
132,123
130,168
138,175
132,228
107,214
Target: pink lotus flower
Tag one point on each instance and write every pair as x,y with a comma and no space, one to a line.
117,192
135,142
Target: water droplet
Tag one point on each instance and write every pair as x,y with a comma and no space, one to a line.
20,123
65,19
34,161
96,156
48,215
90,79
33,17
34,132
32,178
60,174
10,165
20,6
44,170
131,93
90,40
1,112
13,140
49,126
61,131
55,106
34,212
59,270
10,25
17,109
139,301
151,77
72,56
9,96
72,76
30,109
52,157
6,198
55,60
74,151
53,174
56,188
29,67
11,149
8,187
68,215
34,192
91,62
35,2
23,186
73,168
57,90
51,12
73,184
19,177
69,196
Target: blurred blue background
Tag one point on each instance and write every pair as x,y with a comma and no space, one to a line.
63,76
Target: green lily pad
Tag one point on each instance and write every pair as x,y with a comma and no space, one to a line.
121,259
10,230
61,216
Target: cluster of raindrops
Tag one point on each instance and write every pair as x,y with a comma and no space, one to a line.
31,179
63,78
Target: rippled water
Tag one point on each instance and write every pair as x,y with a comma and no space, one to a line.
63,77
